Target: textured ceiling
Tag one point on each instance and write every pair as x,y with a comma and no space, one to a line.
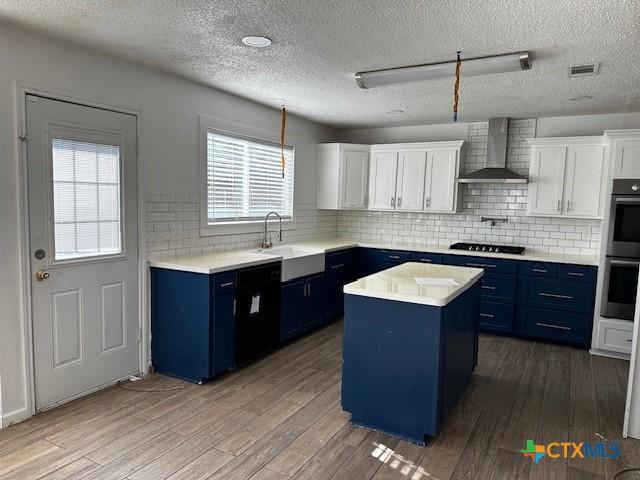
318,45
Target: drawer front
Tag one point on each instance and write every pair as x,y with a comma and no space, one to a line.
224,283
554,325
578,273
615,336
490,265
560,294
498,288
335,260
424,257
394,256
538,269
496,317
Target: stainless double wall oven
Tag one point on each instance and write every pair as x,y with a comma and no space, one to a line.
623,251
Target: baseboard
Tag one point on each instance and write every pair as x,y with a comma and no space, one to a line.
610,354
16,416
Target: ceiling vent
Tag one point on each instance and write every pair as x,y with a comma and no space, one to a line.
590,70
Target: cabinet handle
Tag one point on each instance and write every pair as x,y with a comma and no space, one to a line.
309,291
575,274
539,270
234,306
487,315
228,284
394,257
629,340
427,201
426,260
393,203
481,265
555,295
559,205
366,200
488,287
568,205
399,201
340,265
557,327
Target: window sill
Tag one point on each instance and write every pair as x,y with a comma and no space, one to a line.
235,228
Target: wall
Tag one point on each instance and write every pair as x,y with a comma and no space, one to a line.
490,200
168,137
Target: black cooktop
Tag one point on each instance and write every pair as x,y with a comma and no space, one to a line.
479,247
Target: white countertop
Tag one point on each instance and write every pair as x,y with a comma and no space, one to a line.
225,261
425,284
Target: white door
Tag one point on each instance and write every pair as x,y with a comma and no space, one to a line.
355,179
81,164
382,180
627,159
440,183
546,181
410,181
584,170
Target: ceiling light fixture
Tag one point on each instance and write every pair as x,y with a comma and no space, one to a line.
509,62
256,41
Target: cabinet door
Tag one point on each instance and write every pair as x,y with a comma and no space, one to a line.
546,181
627,159
585,167
223,333
314,314
292,309
440,182
355,173
382,180
410,181
335,279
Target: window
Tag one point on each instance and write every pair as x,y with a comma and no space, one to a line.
86,199
245,181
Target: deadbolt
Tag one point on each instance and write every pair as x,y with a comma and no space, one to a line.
41,275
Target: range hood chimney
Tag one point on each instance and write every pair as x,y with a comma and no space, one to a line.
496,170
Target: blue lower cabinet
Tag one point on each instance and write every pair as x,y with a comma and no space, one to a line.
555,325
558,294
303,306
338,271
192,323
498,288
496,317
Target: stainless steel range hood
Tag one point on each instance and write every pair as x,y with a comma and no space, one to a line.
496,170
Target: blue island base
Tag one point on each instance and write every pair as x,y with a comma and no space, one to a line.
406,365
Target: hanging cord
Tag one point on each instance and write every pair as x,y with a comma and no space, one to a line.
283,126
456,89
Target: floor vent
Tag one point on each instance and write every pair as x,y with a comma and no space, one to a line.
583,70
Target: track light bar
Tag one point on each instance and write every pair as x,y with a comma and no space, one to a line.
509,62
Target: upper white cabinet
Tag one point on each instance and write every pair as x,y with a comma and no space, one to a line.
343,176
566,177
625,149
415,177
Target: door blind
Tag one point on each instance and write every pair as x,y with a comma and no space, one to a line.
244,179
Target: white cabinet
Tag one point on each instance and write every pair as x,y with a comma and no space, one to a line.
343,176
410,181
382,180
566,177
626,152
441,180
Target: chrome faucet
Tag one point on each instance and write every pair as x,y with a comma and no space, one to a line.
269,244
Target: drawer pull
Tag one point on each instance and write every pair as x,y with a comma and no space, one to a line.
340,265
630,340
228,284
394,257
539,270
426,260
488,287
488,315
558,327
481,265
555,295
575,274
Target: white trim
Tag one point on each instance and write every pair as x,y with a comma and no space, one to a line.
393,147
21,89
629,133
567,141
207,123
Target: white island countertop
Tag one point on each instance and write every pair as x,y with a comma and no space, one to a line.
425,284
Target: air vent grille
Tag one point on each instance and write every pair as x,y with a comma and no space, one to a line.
583,70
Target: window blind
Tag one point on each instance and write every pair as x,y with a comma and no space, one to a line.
244,179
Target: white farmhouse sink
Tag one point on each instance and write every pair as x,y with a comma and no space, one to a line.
297,262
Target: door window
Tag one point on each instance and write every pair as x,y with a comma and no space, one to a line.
86,199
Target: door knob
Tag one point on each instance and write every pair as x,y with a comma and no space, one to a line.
41,275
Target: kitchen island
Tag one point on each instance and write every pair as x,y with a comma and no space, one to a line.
410,347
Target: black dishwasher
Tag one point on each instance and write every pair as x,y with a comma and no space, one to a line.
257,311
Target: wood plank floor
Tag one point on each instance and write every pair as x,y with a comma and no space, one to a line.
280,419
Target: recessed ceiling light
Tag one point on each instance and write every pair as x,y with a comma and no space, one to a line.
256,41
395,112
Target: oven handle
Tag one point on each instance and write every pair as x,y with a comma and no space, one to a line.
625,199
628,263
